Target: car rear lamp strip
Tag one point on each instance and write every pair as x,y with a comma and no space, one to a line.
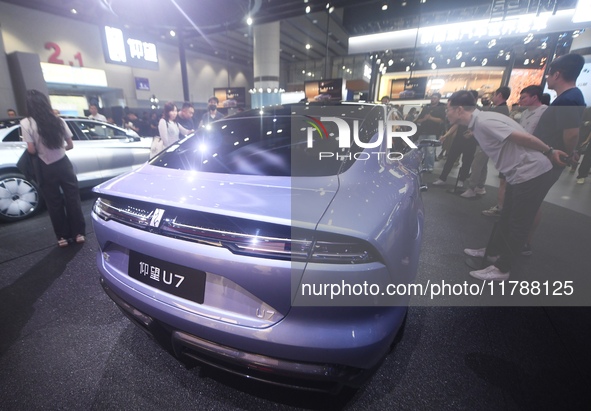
316,247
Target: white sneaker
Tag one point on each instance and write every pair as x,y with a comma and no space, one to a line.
494,211
581,180
479,252
438,182
490,273
461,185
469,193
480,191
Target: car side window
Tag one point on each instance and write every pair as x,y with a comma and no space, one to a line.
14,135
76,134
99,131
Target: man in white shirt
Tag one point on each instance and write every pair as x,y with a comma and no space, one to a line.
530,98
525,161
95,115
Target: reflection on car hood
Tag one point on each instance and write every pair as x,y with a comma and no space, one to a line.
265,198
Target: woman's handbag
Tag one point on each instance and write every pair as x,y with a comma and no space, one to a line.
27,164
156,147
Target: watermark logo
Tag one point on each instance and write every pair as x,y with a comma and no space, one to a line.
390,130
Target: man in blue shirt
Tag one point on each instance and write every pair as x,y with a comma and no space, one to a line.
559,125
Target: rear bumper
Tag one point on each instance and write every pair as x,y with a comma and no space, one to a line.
277,371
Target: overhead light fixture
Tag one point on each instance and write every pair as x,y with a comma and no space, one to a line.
385,6
308,46
172,33
330,9
308,9
433,66
463,64
403,4
459,55
484,61
249,21
492,43
582,12
528,38
74,11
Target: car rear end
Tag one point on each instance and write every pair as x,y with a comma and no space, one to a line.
211,264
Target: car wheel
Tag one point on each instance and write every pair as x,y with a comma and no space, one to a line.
19,197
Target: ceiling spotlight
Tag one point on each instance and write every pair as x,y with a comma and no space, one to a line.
463,64
433,66
403,3
492,43
390,62
545,45
74,11
308,9
249,21
528,38
172,33
484,62
308,46
459,55
526,62
384,6
331,9
431,59
407,68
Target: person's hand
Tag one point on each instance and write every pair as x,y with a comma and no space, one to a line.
442,138
556,159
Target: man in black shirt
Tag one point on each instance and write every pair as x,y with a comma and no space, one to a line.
185,117
431,125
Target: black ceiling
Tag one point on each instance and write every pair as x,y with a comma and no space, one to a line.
218,27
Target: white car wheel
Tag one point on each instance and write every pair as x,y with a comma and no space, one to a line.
19,198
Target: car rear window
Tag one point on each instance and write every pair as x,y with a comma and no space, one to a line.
292,143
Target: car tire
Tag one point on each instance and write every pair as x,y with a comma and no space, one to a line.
19,198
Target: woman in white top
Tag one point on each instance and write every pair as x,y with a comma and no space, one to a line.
48,137
168,129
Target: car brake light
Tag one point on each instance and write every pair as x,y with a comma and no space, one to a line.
241,236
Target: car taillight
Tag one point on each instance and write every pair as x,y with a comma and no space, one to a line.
123,213
239,235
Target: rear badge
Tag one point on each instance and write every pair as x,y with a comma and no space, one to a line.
156,217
